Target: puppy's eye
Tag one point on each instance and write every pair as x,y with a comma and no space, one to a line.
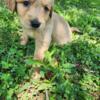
26,3
46,8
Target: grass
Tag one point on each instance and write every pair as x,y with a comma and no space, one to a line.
72,70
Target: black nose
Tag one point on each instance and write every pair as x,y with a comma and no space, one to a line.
35,23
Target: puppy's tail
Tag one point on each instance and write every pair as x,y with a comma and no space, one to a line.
75,29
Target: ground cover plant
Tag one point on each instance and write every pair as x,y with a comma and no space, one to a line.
72,71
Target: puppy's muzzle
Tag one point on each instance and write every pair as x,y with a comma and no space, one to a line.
35,23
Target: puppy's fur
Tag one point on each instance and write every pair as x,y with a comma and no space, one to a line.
52,27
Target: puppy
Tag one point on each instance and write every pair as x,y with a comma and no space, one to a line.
40,22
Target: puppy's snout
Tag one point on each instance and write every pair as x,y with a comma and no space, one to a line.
35,23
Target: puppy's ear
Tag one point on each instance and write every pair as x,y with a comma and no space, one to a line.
11,4
51,13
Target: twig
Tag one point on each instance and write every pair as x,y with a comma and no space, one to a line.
47,95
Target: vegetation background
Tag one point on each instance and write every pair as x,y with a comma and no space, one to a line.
73,69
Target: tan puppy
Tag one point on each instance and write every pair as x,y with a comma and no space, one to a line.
40,22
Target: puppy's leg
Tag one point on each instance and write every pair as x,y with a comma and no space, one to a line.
41,47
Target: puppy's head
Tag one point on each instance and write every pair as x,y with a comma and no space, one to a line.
33,14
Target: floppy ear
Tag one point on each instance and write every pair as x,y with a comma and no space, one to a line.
50,13
11,4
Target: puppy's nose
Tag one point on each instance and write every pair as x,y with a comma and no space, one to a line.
35,23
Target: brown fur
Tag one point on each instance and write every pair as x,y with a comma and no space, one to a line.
53,27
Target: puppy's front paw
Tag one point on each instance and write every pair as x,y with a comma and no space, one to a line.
23,40
39,56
